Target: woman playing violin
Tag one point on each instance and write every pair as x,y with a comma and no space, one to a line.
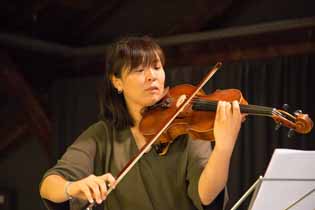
188,177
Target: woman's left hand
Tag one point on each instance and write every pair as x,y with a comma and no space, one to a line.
227,124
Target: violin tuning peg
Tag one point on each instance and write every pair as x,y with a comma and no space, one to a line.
286,107
291,133
297,112
278,126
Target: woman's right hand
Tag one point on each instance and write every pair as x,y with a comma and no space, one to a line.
92,188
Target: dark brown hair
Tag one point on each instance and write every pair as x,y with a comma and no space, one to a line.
125,54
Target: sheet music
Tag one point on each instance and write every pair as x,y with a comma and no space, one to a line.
289,176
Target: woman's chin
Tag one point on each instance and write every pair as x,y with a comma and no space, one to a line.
152,101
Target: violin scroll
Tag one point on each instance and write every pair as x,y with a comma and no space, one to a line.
303,123
300,123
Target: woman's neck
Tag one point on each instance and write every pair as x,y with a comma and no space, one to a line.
135,112
138,137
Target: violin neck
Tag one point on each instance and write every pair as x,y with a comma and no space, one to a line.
205,105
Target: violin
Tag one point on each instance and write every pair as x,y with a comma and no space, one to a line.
197,119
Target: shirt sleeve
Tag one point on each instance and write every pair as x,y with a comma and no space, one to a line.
198,155
76,163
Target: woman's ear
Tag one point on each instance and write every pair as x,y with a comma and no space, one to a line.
117,83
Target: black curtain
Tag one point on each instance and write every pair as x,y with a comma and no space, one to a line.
269,82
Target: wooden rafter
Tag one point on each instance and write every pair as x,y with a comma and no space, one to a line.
11,129
283,38
35,120
241,53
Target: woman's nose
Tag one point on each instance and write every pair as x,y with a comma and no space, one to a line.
150,74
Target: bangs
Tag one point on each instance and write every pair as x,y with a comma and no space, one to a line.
141,52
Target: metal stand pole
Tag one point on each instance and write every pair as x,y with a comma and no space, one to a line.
241,200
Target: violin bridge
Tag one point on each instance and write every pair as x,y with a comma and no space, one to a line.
181,100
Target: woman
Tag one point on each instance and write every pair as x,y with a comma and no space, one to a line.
186,178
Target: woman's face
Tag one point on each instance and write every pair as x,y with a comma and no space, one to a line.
142,86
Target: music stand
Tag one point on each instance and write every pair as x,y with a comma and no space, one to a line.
289,183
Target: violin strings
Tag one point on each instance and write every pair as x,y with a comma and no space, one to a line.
206,105
201,104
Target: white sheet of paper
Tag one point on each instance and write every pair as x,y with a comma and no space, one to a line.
280,194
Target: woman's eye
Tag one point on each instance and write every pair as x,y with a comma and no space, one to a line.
139,70
157,67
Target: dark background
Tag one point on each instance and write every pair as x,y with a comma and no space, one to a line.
51,63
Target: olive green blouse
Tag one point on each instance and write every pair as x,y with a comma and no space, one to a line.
156,182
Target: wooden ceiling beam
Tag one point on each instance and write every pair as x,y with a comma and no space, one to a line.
15,85
240,53
11,130
242,32
283,38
